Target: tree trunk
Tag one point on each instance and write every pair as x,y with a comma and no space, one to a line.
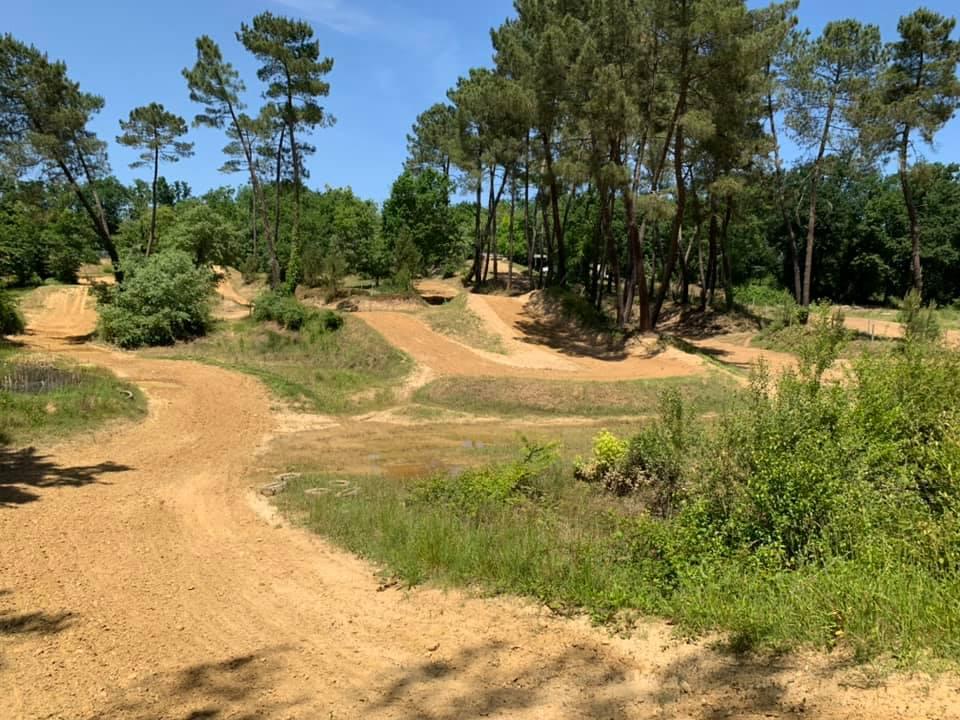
637,280
96,214
513,207
681,189
912,213
814,187
713,234
782,200
527,230
258,191
546,242
153,216
727,260
474,275
559,277
275,270
253,220
294,268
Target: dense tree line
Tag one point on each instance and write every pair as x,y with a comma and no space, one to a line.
632,148
638,146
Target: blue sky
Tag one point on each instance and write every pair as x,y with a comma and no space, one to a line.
392,60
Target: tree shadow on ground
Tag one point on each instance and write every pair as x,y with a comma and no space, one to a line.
696,324
239,688
587,681
481,681
37,623
25,470
566,338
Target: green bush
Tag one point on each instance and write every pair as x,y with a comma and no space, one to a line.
11,321
164,299
281,308
475,489
290,313
763,293
920,323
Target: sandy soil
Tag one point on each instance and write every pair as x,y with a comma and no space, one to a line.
529,353
890,329
139,578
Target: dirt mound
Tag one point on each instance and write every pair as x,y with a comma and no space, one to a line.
692,322
554,318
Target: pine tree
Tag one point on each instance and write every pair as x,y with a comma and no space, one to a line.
154,130
294,73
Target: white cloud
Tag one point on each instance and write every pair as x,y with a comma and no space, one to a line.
334,14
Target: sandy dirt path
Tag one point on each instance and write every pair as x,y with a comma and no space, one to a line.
140,579
544,355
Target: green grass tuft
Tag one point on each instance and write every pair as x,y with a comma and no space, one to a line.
83,399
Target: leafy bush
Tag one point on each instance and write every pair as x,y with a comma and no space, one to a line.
919,323
164,299
11,321
291,314
496,485
651,465
281,308
763,293
249,269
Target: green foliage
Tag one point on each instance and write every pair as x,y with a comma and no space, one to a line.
291,314
418,213
407,262
205,233
649,466
11,321
164,299
763,293
920,324
476,489
280,308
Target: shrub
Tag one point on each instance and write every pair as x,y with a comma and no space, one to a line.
164,299
478,488
651,465
291,314
919,323
11,321
281,308
249,269
763,293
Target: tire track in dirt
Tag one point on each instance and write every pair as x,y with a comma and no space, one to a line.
139,580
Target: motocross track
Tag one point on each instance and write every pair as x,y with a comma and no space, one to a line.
139,578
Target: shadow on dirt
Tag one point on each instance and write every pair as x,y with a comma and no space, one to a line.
239,688
37,623
565,338
26,470
480,681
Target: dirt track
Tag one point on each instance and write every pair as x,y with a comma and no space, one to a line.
139,580
530,353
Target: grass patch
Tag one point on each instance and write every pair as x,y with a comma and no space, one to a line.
352,369
455,319
512,397
42,400
807,513
576,549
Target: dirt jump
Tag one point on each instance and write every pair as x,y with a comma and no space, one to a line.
141,578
